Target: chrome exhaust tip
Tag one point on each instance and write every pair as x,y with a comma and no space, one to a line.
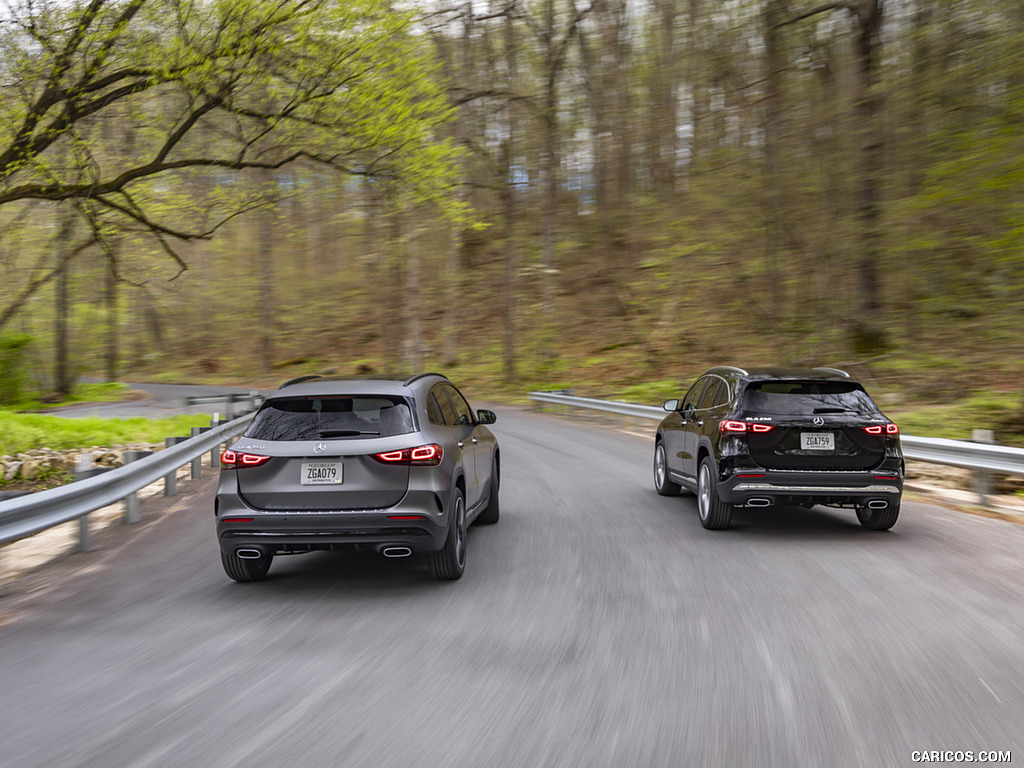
759,502
877,504
249,554
396,551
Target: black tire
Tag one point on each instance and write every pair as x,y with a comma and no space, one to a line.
715,514
879,519
492,511
449,562
245,570
662,484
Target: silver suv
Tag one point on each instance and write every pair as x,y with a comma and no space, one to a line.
399,467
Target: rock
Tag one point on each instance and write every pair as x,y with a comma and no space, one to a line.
29,470
12,470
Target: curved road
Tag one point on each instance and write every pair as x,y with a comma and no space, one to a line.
597,625
155,401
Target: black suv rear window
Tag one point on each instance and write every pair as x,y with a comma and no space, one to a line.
807,397
332,417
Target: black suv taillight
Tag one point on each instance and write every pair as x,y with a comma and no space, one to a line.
883,429
739,427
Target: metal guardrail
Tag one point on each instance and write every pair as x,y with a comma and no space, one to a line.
27,515
978,457
250,401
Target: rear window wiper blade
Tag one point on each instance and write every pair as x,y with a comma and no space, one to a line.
328,433
831,410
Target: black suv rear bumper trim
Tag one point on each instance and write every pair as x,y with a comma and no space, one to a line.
811,487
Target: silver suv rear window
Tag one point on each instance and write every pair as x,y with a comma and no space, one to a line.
332,417
808,397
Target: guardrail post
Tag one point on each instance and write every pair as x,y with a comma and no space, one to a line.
197,462
132,514
171,478
215,451
83,468
983,478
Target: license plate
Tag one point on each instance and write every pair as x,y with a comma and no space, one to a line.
321,473
817,441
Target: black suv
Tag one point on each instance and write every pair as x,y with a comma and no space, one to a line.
780,437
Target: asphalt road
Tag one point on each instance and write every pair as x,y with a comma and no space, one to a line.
597,625
154,401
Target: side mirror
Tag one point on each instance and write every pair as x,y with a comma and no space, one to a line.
671,405
486,417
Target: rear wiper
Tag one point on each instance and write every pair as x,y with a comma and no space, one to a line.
831,410
328,433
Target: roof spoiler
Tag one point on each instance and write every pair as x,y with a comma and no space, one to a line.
833,370
300,379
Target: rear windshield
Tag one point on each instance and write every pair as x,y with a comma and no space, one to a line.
331,418
808,397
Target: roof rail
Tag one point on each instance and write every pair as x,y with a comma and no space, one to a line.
832,370
734,368
300,379
418,376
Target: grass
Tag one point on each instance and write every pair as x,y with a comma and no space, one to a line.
982,410
101,392
20,432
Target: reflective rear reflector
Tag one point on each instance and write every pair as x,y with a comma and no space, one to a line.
406,517
237,520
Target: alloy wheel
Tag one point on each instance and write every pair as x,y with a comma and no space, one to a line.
704,492
460,532
659,466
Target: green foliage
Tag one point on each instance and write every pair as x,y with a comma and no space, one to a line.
99,392
167,117
26,431
652,392
14,378
982,410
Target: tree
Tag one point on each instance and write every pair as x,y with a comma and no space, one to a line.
224,85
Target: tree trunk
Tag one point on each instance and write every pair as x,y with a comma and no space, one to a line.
774,64
265,251
414,301
507,184
549,160
664,168
110,297
869,335
63,381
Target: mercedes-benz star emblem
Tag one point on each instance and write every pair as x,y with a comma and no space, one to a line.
320,447
818,421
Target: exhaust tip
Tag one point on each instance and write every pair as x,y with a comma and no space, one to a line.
759,502
249,554
396,551
876,504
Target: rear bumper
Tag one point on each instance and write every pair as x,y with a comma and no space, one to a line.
417,522
794,487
